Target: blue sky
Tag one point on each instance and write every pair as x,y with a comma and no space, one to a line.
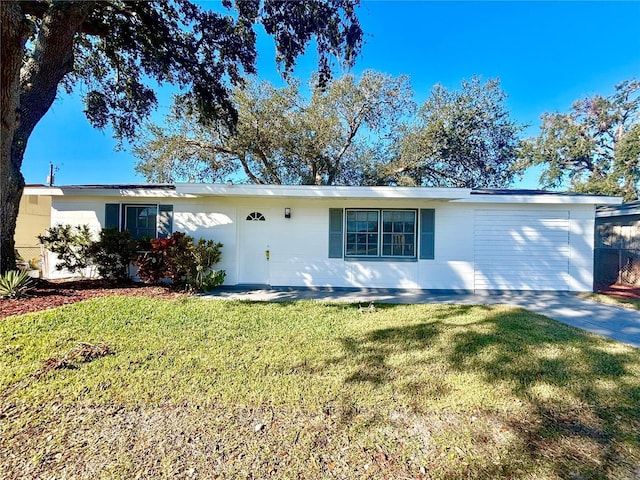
546,54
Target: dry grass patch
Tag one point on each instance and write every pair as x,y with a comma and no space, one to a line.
631,303
206,389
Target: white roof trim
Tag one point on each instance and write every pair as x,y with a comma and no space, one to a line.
194,190
137,192
317,191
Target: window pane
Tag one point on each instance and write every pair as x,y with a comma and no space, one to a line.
362,233
399,233
141,221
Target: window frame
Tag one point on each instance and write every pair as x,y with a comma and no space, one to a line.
125,217
380,235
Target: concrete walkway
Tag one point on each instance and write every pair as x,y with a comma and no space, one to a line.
621,324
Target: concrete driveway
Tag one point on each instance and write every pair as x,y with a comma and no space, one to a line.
618,323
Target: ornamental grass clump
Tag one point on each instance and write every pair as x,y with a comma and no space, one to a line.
15,284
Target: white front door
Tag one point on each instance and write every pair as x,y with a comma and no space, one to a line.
254,245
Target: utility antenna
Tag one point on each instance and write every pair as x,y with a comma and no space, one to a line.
51,177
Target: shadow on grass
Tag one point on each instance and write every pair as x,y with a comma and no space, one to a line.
583,392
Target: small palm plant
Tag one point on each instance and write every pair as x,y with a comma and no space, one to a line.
15,284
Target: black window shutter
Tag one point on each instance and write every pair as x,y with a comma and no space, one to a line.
427,233
165,221
335,232
112,215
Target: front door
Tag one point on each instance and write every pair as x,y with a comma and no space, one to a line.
254,247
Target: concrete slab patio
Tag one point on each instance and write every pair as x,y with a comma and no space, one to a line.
618,323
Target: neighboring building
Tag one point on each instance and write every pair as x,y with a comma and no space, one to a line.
317,236
617,245
34,217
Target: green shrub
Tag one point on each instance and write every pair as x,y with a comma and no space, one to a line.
15,284
206,254
112,254
186,264
72,245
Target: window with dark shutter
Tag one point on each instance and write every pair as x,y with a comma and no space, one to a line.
165,221
427,233
335,233
112,215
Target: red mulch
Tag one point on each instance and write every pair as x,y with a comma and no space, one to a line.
53,293
622,292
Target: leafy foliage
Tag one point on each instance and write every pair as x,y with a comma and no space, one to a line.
113,253
116,51
72,245
15,284
206,254
595,147
282,137
178,259
463,138
200,50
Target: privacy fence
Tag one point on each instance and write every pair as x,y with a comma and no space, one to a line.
617,251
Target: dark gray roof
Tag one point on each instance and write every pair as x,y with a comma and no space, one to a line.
130,186
508,191
631,208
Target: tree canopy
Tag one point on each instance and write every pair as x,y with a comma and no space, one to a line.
355,132
115,51
282,137
595,147
462,138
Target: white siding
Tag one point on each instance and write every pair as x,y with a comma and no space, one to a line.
477,246
74,211
522,249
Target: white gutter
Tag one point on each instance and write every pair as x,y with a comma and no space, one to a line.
137,192
316,191
542,199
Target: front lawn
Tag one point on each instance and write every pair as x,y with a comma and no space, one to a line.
193,388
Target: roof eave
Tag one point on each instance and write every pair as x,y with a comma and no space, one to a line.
321,192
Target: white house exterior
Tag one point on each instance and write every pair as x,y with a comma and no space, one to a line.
376,237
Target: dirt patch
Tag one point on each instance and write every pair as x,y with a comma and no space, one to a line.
622,292
54,293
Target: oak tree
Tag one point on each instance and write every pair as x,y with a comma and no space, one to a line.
113,51
594,148
462,138
282,136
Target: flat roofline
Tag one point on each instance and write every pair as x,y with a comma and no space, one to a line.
194,190
321,191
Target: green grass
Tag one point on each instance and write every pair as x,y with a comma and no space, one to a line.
209,389
621,302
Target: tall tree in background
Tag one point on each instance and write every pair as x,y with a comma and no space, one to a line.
112,47
463,138
282,137
595,147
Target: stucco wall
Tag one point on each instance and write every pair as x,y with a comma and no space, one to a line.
34,217
298,246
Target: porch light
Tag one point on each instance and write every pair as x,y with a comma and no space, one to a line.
287,212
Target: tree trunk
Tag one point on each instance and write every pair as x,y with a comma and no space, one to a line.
15,30
28,91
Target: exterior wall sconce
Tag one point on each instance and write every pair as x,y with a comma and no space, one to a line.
287,212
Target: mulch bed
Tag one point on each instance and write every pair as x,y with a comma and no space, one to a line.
622,292
54,293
